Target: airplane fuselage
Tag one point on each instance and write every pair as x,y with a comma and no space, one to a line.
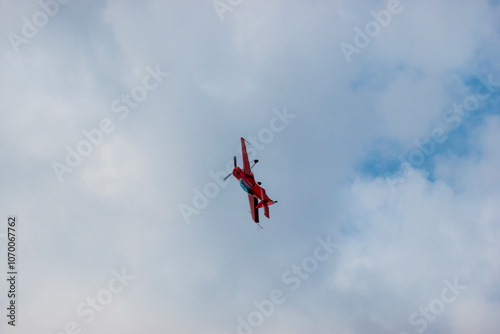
246,183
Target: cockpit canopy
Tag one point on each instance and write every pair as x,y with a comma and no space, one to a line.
245,186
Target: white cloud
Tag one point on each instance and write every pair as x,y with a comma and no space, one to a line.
407,242
119,208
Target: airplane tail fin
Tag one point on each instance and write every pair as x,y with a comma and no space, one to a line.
265,203
266,210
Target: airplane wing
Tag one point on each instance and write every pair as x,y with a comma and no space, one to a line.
246,163
253,208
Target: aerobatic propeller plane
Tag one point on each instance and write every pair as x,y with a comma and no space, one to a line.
247,182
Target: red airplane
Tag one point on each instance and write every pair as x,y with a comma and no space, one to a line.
254,190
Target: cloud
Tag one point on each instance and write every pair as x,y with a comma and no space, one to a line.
119,207
406,243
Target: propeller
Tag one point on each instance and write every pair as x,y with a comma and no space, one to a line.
235,164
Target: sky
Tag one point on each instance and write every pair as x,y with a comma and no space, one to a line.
376,124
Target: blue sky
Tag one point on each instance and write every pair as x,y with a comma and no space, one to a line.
119,118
